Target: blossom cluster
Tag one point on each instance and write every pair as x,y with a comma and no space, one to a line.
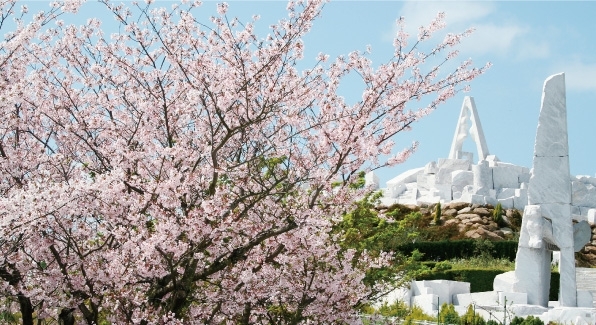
183,171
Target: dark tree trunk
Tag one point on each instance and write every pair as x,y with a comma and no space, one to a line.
26,309
66,317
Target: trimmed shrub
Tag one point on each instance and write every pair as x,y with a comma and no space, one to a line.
449,249
437,218
498,215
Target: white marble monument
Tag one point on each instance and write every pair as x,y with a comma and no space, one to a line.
486,180
556,207
547,224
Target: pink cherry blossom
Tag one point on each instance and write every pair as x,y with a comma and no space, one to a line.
182,170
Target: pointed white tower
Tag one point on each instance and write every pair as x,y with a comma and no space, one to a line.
468,113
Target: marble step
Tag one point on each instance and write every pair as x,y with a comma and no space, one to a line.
586,280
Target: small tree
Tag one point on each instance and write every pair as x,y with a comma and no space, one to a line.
498,214
448,315
437,217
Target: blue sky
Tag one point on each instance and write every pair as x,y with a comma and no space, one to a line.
526,41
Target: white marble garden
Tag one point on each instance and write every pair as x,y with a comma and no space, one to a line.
557,208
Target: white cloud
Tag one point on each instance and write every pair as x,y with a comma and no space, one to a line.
457,14
492,36
493,39
579,76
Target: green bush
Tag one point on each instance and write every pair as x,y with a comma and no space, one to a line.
437,218
530,320
498,215
398,309
416,313
472,318
449,249
442,266
448,315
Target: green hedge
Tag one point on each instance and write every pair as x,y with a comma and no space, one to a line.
482,280
448,249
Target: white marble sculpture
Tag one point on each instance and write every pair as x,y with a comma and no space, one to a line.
553,203
468,113
547,223
489,181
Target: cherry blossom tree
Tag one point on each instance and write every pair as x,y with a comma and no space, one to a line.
183,171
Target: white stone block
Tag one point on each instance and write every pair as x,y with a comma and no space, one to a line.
400,294
426,302
371,180
532,273
443,191
492,160
431,168
524,177
395,190
585,299
570,315
592,216
487,298
507,203
526,310
406,177
506,282
456,195
551,134
549,182
453,164
462,178
520,200
505,176
491,199
477,199
465,156
583,194
483,177
560,214
576,210
512,298
584,211
425,181
506,193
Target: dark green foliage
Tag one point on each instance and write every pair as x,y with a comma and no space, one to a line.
484,249
480,280
363,229
498,215
398,309
448,315
442,266
530,320
472,318
492,322
437,218
516,320
449,249
553,294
